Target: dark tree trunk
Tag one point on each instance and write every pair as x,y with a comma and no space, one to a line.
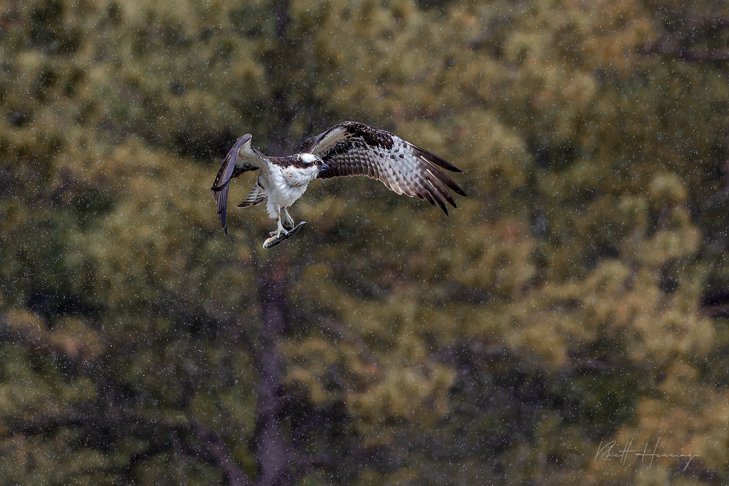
273,449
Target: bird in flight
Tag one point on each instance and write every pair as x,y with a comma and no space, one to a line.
346,149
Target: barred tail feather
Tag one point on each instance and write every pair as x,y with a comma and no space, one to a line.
256,195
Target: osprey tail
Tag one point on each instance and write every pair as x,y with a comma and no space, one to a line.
257,195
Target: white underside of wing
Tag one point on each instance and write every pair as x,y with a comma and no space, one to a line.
328,139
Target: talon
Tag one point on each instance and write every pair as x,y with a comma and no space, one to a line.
278,233
288,221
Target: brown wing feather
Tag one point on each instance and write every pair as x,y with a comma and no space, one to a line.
351,149
235,163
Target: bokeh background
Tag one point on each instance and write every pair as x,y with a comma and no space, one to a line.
578,297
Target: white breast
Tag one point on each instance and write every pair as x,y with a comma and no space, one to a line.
286,185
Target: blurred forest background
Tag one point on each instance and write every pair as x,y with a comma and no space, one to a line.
578,296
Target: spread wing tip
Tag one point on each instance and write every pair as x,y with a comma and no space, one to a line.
458,191
434,159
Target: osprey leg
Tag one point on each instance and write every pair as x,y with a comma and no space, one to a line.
282,226
288,221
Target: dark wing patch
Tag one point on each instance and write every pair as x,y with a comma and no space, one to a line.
351,149
372,136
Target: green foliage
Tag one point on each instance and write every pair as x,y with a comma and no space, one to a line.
567,302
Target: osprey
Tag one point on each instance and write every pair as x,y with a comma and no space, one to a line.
347,149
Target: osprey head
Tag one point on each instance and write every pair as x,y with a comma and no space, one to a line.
313,160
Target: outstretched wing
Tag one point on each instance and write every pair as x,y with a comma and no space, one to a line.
352,148
241,158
